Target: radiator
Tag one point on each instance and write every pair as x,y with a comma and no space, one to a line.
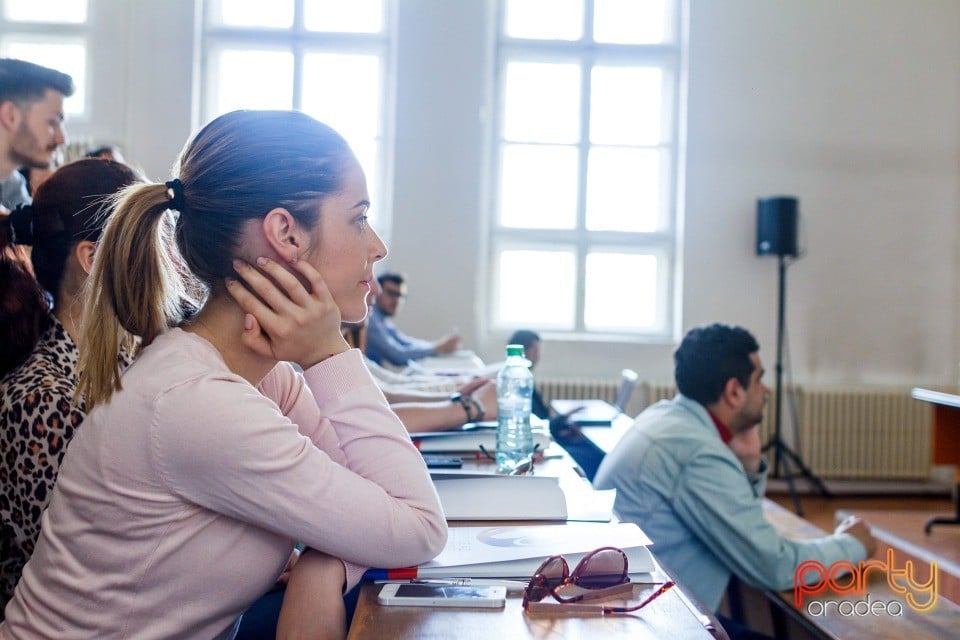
577,388
865,433
841,433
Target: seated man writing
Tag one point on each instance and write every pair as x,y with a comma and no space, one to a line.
690,473
385,342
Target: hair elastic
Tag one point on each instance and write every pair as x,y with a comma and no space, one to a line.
175,193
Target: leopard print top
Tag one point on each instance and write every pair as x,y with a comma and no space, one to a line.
37,420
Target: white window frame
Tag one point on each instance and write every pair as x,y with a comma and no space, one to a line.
56,33
663,243
300,41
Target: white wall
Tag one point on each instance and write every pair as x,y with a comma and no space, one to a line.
850,105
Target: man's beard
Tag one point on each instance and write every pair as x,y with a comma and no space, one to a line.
22,139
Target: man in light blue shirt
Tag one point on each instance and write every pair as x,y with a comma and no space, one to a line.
690,473
385,342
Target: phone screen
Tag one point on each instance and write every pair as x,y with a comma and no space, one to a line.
440,591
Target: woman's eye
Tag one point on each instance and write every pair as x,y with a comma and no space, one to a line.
362,221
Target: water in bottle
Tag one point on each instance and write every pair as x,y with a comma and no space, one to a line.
514,393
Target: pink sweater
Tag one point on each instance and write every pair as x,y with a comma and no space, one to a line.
179,501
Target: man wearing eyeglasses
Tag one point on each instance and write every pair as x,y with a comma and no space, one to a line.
385,342
31,121
690,473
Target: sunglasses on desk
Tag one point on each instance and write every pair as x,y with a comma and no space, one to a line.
602,573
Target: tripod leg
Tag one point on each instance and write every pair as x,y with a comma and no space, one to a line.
781,456
807,473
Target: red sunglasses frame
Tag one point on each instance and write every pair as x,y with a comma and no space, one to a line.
580,578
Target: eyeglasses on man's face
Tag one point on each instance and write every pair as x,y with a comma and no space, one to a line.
600,574
394,293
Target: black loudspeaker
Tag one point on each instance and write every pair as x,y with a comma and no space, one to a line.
777,226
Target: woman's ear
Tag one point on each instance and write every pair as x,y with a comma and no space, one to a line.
85,251
284,234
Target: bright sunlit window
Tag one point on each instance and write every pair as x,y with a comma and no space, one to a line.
327,58
583,233
53,34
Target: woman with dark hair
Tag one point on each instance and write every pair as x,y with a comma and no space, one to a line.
194,474
38,353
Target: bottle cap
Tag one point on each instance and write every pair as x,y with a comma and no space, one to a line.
514,350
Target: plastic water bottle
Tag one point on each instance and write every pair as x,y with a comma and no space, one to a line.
514,393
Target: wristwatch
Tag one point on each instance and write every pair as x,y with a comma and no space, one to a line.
479,407
458,398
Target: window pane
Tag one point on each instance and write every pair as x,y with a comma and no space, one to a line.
526,295
72,11
253,13
623,189
621,292
630,21
68,57
273,88
344,91
538,187
544,19
367,151
353,16
542,102
625,105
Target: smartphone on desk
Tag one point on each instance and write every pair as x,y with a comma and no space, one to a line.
442,595
443,462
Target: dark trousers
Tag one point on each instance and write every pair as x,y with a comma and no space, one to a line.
738,631
584,452
259,622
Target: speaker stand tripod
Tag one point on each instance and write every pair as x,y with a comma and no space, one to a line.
783,455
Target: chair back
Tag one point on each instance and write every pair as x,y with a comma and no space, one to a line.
628,382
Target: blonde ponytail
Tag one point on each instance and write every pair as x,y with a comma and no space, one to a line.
135,292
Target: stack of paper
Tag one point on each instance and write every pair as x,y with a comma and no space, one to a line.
485,496
469,439
478,496
516,552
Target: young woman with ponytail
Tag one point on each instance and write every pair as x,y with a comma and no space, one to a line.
183,493
38,353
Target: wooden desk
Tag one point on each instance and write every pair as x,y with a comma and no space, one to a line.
673,615
666,617
790,622
946,440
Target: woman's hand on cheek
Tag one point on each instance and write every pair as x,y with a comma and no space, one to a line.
287,322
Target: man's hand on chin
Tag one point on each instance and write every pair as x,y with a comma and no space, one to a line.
746,446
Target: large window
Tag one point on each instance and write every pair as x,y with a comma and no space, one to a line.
583,233
329,58
52,33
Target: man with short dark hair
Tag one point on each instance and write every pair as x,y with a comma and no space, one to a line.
31,115
385,342
690,473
